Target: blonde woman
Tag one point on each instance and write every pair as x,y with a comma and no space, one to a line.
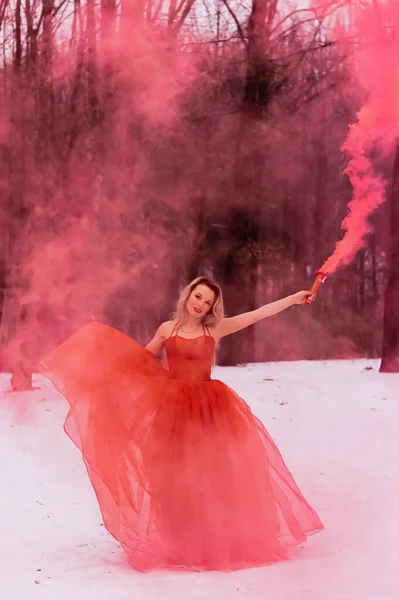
185,475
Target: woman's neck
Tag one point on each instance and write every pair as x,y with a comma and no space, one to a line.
190,323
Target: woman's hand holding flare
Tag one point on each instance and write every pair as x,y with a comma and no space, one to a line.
301,297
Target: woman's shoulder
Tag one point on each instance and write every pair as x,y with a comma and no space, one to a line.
214,330
165,329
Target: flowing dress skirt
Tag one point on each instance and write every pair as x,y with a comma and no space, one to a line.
185,475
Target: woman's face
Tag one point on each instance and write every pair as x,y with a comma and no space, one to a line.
200,301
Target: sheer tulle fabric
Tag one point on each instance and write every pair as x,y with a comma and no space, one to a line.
185,475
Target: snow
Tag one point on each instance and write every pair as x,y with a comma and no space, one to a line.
336,425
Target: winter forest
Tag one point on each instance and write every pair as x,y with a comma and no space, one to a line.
145,142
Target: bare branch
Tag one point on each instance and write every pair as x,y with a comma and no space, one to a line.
313,11
187,8
57,8
3,8
239,28
157,10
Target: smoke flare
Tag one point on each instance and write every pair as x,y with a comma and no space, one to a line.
376,129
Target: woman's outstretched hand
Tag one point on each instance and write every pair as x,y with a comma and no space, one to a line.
300,297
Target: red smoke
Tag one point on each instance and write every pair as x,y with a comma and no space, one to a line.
87,242
376,49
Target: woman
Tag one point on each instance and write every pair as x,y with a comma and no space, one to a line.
184,473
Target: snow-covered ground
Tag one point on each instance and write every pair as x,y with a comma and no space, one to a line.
336,424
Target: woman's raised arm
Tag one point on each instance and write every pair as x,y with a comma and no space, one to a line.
232,324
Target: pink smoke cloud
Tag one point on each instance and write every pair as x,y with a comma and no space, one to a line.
376,49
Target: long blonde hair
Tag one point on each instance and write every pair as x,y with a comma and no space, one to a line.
217,311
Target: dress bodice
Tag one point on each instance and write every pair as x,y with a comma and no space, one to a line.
190,359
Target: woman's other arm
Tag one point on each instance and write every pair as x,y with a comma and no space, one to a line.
155,346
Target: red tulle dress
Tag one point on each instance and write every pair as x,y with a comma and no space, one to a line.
185,475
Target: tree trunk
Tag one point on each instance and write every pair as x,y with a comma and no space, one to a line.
92,76
18,40
32,45
374,285
390,343
256,97
108,21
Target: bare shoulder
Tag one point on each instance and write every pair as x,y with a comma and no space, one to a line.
165,329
